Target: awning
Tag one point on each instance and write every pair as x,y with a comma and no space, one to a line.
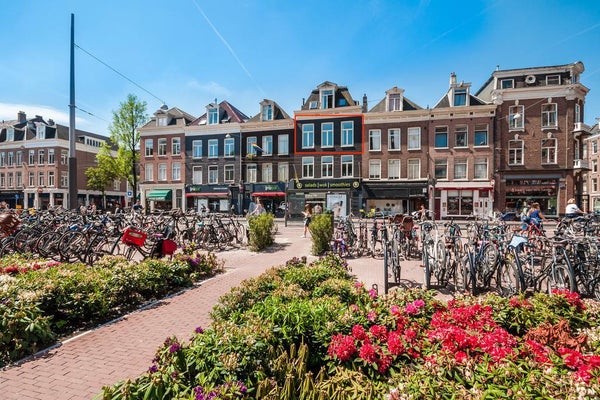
160,195
207,194
268,194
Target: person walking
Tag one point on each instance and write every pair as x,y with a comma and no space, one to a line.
307,217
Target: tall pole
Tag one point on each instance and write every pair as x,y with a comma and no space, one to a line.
73,202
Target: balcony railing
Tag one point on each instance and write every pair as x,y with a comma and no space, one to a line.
581,164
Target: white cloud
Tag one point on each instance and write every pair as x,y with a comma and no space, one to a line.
209,88
9,112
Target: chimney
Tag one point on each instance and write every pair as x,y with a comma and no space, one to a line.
21,116
365,106
452,79
50,122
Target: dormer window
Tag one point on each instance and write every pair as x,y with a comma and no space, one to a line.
460,97
267,112
507,83
161,121
213,116
312,105
10,134
327,98
41,132
394,102
553,80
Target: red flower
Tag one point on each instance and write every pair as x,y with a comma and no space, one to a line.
342,347
379,332
367,352
395,344
359,333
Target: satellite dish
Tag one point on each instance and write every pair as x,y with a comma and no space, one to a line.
530,79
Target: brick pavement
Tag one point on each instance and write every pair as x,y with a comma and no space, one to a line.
79,367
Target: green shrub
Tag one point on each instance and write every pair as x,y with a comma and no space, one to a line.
261,231
321,231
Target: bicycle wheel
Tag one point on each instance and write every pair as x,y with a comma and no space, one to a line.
509,278
441,263
72,245
561,277
394,262
428,266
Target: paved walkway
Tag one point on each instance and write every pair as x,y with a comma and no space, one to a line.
82,365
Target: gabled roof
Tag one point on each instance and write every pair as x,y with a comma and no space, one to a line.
444,102
341,92
278,112
227,113
175,116
407,104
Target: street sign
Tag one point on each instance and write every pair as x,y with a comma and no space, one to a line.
129,193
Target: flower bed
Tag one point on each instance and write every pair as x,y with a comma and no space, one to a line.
43,300
310,331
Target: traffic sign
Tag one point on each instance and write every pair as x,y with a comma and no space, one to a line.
129,193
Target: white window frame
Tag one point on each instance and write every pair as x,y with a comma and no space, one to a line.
327,167
10,160
229,147
461,131
51,182
31,159
176,171
229,173
413,138
10,134
51,158
477,168
267,172
549,149
41,157
197,175
176,146
375,140
213,148
197,148
515,152
267,145
552,80
393,165
327,97
64,179
479,129
441,169
251,173
283,144
347,133
149,172
40,132
308,136
283,171
461,166
394,102
327,139
549,116
375,169
347,163
31,178
267,112
516,124
162,172
308,167
149,147
440,131
507,83
213,174
213,116
394,139
413,168
162,147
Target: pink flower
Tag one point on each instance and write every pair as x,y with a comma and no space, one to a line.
367,352
395,344
373,293
371,316
411,309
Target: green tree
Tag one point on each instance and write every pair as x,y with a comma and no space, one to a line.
108,170
124,133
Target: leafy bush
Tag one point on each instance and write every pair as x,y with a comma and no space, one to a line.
260,229
321,231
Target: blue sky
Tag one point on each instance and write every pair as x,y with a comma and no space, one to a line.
189,52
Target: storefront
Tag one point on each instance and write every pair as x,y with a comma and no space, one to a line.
271,195
214,198
543,190
340,196
465,200
393,198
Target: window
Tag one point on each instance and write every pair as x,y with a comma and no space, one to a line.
283,172
162,147
11,158
516,116
507,83
176,146
31,160
308,136
577,113
375,169
149,172
11,180
441,136
553,80
116,184
393,169
326,99
31,178
176,171
283,144
213,149
441,169
481,168
228,173
251,173
395,102
327,134
460,97
19,179
348,133
347,166
2,179
267,172
327,167
197,148
40,132
549,115
414,138
374,140
51,178
64,156
460,168
162,172
197,175
312,105
229,144
267,146
213,174
64,179
10,134
40,157
161,121
19,160
594,147
393,139
515,152
41,176
308,167
549,151
460,136
414,168
51,156
594,184
267,112
213,116
594,165
481,135
250,142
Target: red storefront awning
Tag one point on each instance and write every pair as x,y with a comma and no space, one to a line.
205,194
268,194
